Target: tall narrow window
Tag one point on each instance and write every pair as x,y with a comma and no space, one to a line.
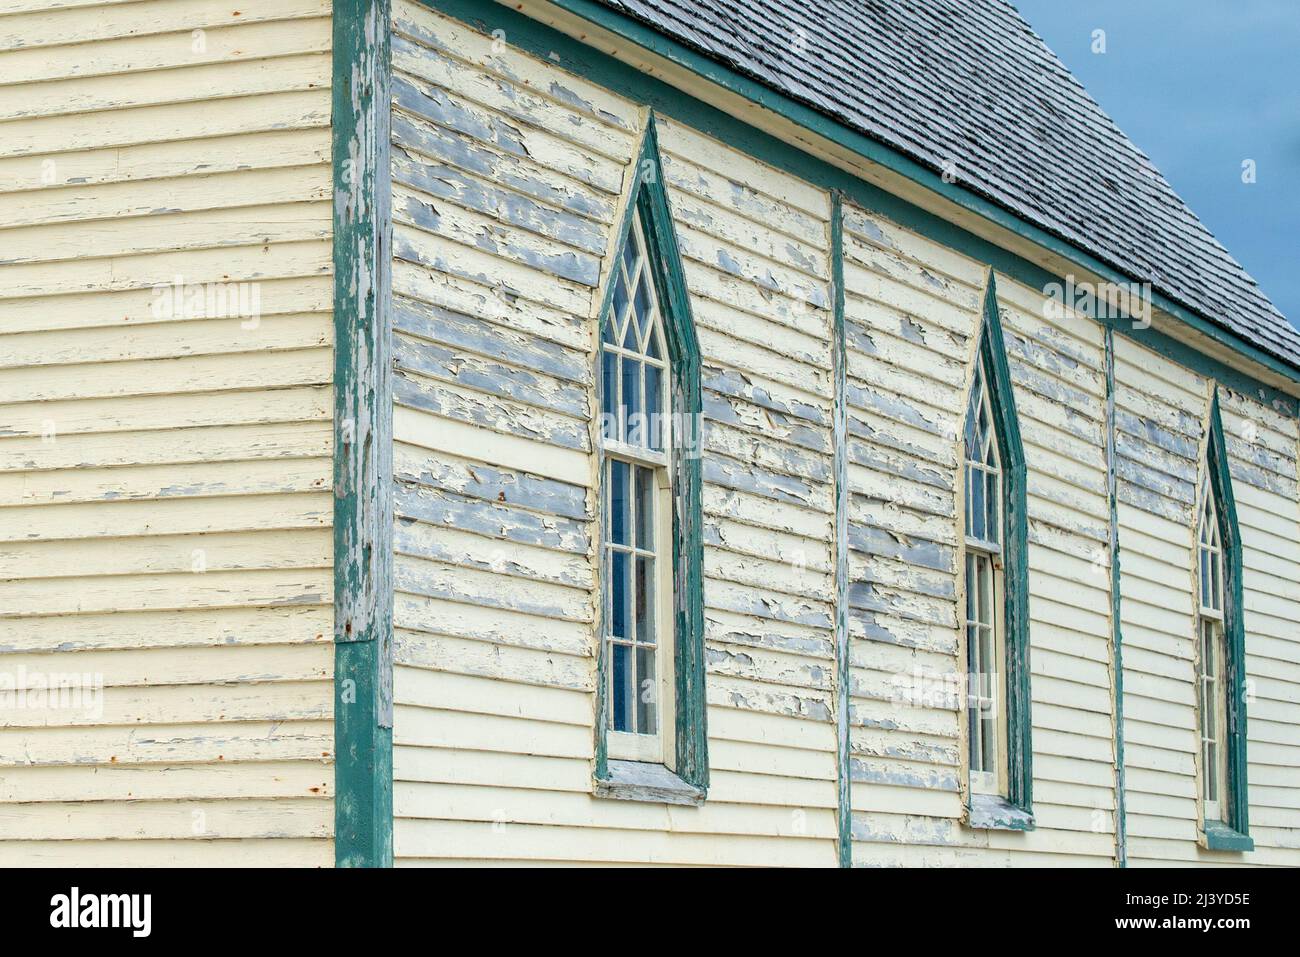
1212,660
1220,654
637,498
652,741
985,629
996,609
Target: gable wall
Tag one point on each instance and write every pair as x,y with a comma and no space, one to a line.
165,500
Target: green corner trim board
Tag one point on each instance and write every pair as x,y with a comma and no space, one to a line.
841,447
363,507
1116,628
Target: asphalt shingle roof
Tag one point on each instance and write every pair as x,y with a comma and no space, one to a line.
967,82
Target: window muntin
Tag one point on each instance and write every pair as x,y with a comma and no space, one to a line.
634,374
1211,658
983,471
985,630
1211,557
636,491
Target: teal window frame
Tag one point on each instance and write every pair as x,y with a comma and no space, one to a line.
1233,832
648,198
1013,810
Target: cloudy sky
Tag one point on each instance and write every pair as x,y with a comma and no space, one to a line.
1201,86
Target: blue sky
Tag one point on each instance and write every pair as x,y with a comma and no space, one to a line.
1200,86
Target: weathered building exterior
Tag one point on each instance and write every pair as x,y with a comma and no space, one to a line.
425,206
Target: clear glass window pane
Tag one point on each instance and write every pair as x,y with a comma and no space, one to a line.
992,523
614,325
978,506
632,331
652,347
1216,584
989,733
647,699
620,502
641,307
1205,579
609,392
633,416
645,482
1207,762
632,251
624,688
620,617
653,407
986,592
645,600
972,595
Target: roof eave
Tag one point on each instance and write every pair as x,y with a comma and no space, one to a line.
1208,336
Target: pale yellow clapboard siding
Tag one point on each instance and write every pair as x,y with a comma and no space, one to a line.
1160,715
71,25
223,192
183,628
165,501
476,49
134,164
211,228
251,263
506,806
1156,536
200,480
166,820
559,844
189,84
128,309
188,851
192,782
40,353
913,308
127,55
239,744
495,639
139,126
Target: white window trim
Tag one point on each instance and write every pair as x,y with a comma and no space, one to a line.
995,781
659,747
1213,616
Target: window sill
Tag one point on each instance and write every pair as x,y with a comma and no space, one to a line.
648,783
1217,836
992,812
